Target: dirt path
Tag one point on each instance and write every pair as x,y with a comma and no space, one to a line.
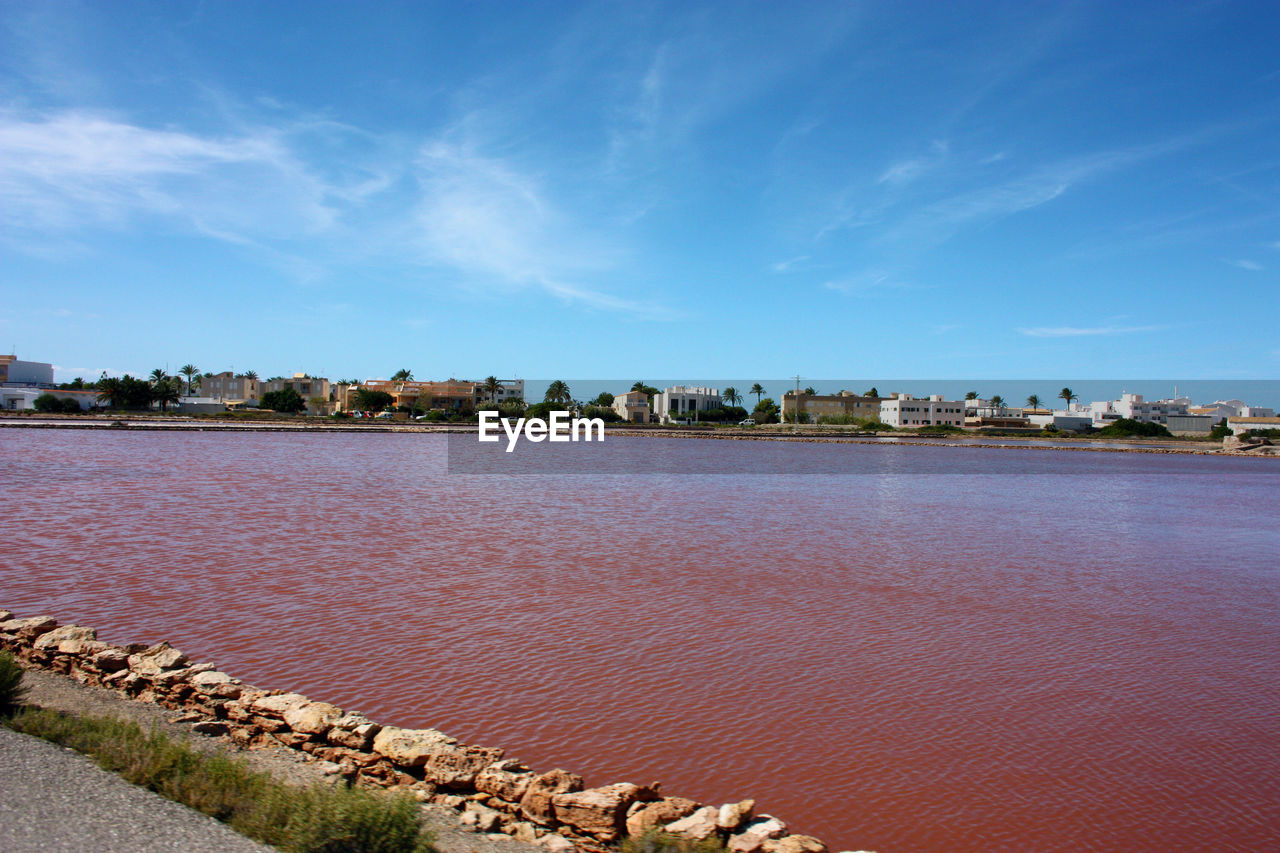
49,690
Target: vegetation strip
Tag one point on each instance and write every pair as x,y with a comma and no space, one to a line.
318,819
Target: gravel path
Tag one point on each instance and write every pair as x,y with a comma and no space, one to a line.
58,692
53,800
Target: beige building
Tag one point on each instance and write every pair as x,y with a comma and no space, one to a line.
632,407
816,406
316,391
230,388
452,394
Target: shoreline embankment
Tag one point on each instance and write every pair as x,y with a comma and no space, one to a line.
490,792
180,423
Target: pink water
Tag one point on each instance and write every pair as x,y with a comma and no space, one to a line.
1082,658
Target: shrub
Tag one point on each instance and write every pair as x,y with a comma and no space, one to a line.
11,687
47,403
1129,427
657,841
71,407
320,819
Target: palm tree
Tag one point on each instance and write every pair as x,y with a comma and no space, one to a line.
1068,395
158,375
731,396
558,392
166,391
404,374
251,375
192,373
109,391
810,391
997,402
758,390
1034,401
492,386
972,395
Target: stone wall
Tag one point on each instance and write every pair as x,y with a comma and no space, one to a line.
492,793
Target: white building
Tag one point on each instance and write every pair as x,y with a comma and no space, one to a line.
904,410
1134,407
681,402
1061,419
508,389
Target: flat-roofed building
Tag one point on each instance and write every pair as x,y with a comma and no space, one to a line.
315,391
818,406
684,402
1240,425
633,407
233,389
28,373
450,395
904,410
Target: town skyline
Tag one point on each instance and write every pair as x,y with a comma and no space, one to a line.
660,188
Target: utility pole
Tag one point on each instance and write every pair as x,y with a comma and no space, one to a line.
797,378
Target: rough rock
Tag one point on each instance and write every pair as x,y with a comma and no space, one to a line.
211,727
409,747
6,615
794,844
536,803
217,684
482,818
458,766
598,812
111,660
354,731
157,659
51,639
278,705
313,718
698,826
507,780
752,837
522,830
29,628
647,816
734,815
555,843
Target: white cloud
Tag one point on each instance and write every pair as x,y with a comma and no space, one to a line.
62,171
789,264
867,283
496,224
906,171
1082,331
1244,264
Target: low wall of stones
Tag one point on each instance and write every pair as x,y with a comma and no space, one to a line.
492,793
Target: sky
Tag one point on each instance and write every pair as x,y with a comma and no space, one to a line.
906,189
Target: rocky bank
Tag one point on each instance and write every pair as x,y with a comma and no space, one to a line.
490,793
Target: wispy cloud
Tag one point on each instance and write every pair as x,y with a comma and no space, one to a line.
1085,331
498,225
869,283
64,170
906,171
1244,264
791,264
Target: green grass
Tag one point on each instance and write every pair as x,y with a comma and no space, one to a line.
657,841
319,819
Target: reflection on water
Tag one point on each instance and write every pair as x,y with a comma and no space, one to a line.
895,660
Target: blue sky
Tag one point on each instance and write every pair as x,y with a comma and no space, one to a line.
631,189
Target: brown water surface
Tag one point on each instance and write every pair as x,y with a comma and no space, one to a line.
931,657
